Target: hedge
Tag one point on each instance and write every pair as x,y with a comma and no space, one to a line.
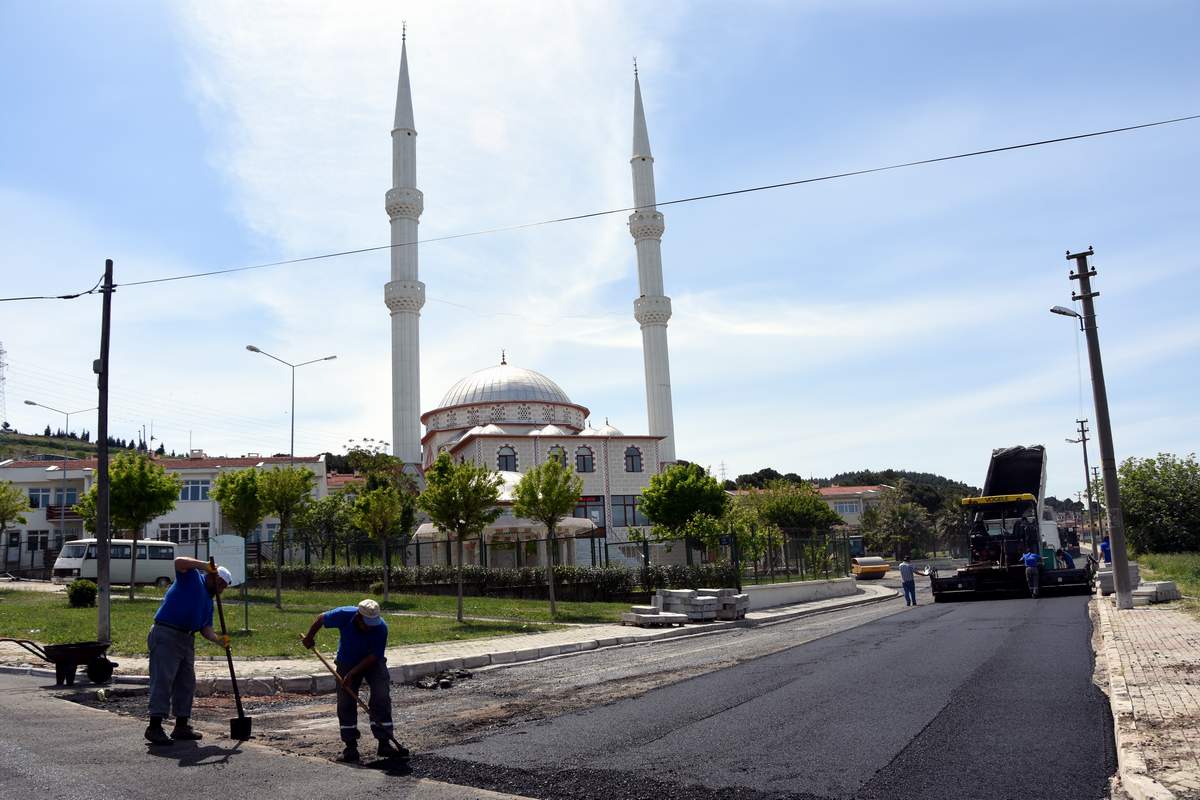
602,582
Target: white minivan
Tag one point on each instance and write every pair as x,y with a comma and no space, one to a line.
155,561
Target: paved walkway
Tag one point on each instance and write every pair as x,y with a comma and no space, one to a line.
1153,659
267,676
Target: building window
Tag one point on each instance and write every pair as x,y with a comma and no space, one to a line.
497,413
68,497
265,532
473,416
585,460
591,508
194,490
547,413
36,540
846,507
524,413
633,459
627,512
452,419
558,454
506,459
39,498
181,532
14,539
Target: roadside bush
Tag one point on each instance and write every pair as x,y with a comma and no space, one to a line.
81,593
599,582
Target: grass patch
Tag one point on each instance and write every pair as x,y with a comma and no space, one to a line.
47,618
1183,568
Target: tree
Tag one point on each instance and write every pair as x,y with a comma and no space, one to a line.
238,496
325,522
376,513
1160,500
899,527
139,490
461,499
12,502
369,457
547,493
679,493
284,493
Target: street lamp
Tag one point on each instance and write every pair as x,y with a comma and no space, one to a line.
62,512
292,444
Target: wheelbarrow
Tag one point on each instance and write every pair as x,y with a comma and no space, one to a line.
67,658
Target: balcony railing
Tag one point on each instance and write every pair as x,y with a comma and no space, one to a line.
62,514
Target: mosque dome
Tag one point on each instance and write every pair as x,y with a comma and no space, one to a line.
504,384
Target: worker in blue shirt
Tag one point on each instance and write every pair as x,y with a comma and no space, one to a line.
186,609
1033,563
1106,550
362,638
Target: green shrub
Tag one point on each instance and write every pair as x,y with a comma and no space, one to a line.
81,593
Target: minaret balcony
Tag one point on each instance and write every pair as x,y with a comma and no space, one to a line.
652,310
404,203
404,296
646,225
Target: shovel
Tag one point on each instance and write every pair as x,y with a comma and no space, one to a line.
239,726
395,743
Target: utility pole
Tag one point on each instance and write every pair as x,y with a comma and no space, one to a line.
1108,460
1087,482
1099,513
100,367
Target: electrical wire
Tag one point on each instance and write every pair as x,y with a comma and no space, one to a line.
594,214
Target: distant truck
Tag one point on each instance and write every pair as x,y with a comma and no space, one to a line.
1007,517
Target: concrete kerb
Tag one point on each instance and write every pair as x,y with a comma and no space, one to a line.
1131,762
323,683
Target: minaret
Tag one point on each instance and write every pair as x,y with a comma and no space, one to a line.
652,309
404,294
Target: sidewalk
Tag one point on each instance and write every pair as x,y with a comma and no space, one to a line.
1153,659
268,676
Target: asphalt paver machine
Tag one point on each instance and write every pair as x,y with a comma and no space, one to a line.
1005,519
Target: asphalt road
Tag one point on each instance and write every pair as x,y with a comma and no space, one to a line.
53,748
965,700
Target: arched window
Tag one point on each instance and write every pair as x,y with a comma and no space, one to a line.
585,460
506,459
558,454
633,459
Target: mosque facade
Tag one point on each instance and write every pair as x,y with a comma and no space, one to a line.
509,418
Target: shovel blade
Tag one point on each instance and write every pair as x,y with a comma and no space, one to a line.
239,728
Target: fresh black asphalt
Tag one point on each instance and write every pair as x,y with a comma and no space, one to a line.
966,700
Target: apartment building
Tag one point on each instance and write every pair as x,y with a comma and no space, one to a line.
54,487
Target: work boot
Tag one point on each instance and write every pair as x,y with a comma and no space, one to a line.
387,750
183,730
155,733
350,754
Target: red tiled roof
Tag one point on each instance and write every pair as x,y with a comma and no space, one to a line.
208,462
338,480
829,491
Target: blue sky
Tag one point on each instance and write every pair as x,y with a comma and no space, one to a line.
897,319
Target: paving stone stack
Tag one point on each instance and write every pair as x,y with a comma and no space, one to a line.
731,605
652,617
1156,592
1105,577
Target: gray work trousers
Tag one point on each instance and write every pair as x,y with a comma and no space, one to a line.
1031,578
172,671
380,702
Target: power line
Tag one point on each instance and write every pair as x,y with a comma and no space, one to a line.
611,211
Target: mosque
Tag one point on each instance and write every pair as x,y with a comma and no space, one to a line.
510,418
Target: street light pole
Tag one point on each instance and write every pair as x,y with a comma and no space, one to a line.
62,515
290,365
1087,482
1108,460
